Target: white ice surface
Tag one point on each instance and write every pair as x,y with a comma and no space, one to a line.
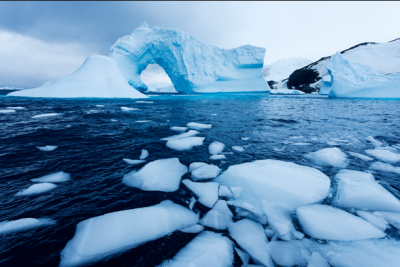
45,115
278,181
245,138
392,217
133,161
384,167
159,175
374,142
217,157
251,238
218,217
317,260
215,148
224,191
238,148
360,156
384,155
326,222
244,256
207,249
205,172
46,148
329,157
207,192
23,225
182,135
185,143
178,129
16,108
57,177
128,109
102,236
359,190
198,126
374,218
36,189
144,154
7,111
289,253
195,165
282,69
197,228
193,201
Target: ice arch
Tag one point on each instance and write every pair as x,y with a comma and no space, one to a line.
193,66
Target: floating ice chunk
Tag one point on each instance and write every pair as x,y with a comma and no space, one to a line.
205,172
290,253
236,191
384,155
7,111
360,156
57,177
36,189
247,210
182,135
144,154
178,129
392,149
245,138
185,143
317,260
269,232
218,217
134,161
197,228
278,181
144,102
192,202
329,157
160,175
224,191
326,222
23,225
114,120
207,249
16,108
360,190
198,126
196,165
301,144
251,238
100,106
46,115
376,219
384,167
392,217
128,109
46,148
99,237
217,157
238,148
245,257
374,142
207,192
143,121
92,111
216,147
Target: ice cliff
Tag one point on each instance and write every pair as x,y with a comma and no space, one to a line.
98,76
351,79
193,66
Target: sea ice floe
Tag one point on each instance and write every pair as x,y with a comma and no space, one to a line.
205,172
225,192
193,201
384,155
114,120
215,148
145,102
46,148
16,108
197,228
278,181
36,189
384,167
206,249
392,217
182,135
218,217
185,143
207,192
7,111
143,121
326,222
238,148
198,126
178,129
248,211
102,236
317,260
217,157
251,238
46,115
374,218
374,142
290,253
196,165
359,190
360,156
159,175
23,225
244,256
100,106
57,177
329,157
133,161
144,154
128,109
245,138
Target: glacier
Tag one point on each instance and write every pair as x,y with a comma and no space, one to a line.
192,66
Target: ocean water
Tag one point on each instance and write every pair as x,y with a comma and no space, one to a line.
91,148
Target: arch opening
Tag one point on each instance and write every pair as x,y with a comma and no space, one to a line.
156,79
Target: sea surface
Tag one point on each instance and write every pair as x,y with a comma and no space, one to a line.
91,148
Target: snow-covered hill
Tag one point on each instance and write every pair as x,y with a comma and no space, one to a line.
281,69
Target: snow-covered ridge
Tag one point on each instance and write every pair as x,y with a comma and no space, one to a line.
281,69
193,66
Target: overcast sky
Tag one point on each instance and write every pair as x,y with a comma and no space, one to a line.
40,41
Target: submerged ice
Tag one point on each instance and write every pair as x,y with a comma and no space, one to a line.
24,224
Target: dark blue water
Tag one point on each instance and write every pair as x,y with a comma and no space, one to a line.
91,149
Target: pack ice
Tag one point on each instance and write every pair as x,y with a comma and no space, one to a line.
36,189
160,175
218,217
57,177
329,157
206,171
185,143
192,66
277,181
99,237
98,76
207,192
23,225
384,155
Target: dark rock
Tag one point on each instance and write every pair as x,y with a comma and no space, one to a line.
271,84
302,77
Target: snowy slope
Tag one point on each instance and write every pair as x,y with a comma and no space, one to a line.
98,76
281,69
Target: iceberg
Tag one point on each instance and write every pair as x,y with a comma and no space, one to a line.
215,148
99,76
218,217
326,222
351,79
161,88
36,189
277,181
329,157
384,155
384,167
192,66
102,236
199,126
207,192
185,143
24,224
46,148
359,190
205,172
160,175
57,177
207,249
